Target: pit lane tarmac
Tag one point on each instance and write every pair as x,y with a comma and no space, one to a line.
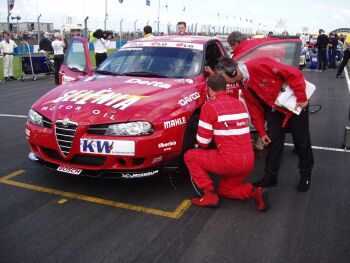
49,216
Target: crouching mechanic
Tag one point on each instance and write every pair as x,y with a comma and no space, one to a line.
261,80
225,119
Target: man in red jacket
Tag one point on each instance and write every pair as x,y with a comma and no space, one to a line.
261,80
225,120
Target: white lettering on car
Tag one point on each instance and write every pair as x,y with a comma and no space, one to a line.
174,123
189,98
149,83
106,97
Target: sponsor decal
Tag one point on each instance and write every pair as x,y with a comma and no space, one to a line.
157,159
242,123
189,81
107,147
132,49
168,144
102,97
182,43
69,170
174,123
27,133
67,79
149,83
189,98
139,175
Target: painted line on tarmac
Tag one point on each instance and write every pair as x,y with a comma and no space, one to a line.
14,116
347,77
322,148
176,214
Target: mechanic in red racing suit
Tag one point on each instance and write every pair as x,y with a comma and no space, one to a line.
225,120
261,80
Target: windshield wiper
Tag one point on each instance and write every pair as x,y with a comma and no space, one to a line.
145,74
105,72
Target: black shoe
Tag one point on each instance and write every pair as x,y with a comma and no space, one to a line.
339,76
12,78
304,184
266,182
7,79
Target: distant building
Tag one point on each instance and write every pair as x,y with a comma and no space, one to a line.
26,26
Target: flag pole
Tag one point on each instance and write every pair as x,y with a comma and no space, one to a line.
8,15
158,16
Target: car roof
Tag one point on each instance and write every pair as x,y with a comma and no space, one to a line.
177,38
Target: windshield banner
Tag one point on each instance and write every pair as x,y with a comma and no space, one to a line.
163,44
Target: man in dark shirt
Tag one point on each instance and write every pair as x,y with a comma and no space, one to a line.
321,44
332,50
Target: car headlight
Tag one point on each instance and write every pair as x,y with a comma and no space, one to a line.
35,118
130,129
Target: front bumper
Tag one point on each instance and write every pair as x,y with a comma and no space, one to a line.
126,174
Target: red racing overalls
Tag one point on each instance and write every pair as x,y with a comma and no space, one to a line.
225,120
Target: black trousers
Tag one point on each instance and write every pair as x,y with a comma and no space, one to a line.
58,60
322,58
344,61
100,57
298,126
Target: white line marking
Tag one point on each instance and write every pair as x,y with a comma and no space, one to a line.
322,148
11,115
347,77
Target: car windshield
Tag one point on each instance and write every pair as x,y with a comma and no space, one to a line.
161,62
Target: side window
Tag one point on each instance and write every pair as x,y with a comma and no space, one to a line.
281,52
76,56
212,55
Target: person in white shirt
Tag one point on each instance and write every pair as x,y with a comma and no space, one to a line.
101,45
7,47
58,47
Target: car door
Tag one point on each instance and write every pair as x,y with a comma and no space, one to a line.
77,62
285,51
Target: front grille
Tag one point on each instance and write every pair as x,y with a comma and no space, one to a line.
47,123
65,136
81,159
98,129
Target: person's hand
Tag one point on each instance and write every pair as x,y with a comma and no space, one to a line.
266,140
301,104
208,71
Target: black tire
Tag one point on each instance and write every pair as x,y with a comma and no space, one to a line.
188,142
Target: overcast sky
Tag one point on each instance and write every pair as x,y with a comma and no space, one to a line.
295,14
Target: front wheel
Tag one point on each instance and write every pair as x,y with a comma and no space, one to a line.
188,142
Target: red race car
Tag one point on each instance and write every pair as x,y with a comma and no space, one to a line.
132,115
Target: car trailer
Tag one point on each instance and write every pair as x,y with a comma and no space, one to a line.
33,64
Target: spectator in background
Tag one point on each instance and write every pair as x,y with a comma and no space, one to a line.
321,44
346,57
181,28
45,44
270,34
7,47
58,47
101,43
332,50
147,31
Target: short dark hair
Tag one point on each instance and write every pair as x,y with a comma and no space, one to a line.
147,29
5,33
182,23
270,33
321,31
235,37
217,83
225,62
